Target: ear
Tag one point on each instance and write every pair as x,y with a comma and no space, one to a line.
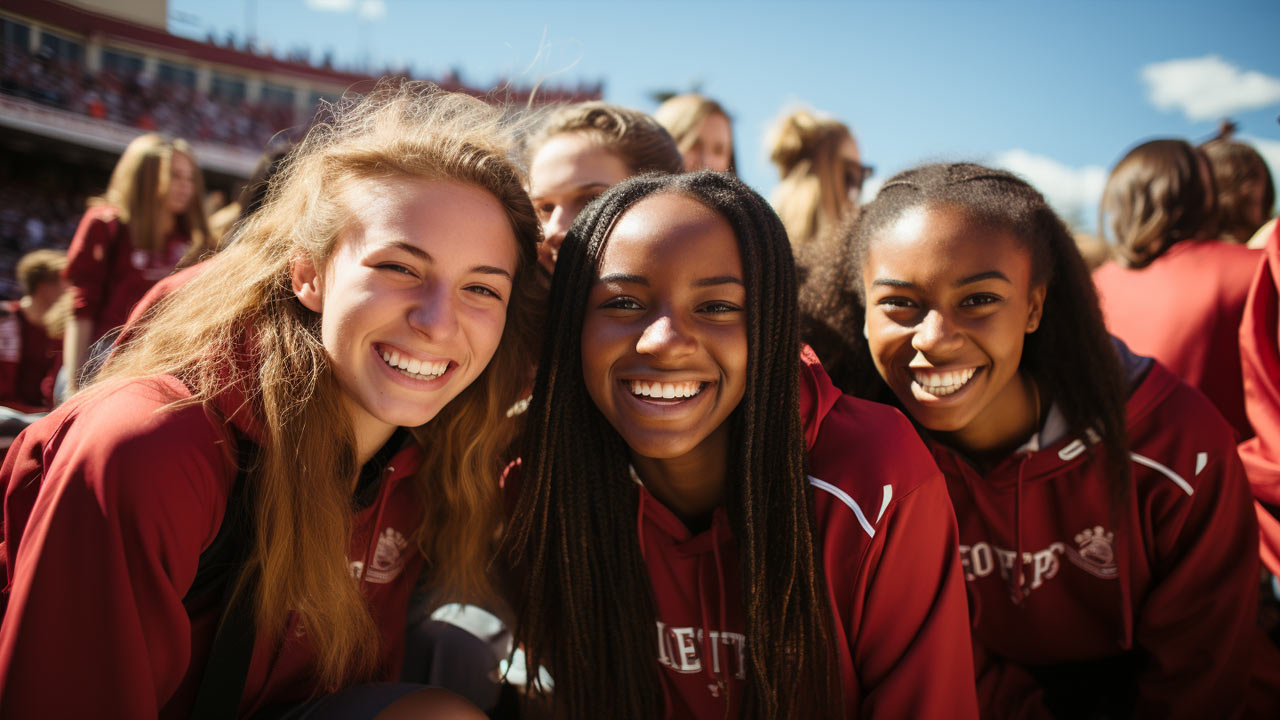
1037,307
866,332
306,284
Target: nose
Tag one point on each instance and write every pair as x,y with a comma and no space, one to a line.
936,334
666,339
557,225
434,313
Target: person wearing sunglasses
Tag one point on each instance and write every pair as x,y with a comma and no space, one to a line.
822,173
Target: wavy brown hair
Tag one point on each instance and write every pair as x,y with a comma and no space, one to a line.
137,191
1239,172
1155,197
586,608
238,329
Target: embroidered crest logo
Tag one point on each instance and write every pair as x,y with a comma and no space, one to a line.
388,558
1095,552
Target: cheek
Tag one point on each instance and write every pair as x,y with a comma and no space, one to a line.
485,327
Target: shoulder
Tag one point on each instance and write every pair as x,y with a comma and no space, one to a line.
129,445
106,216
867,457
1178,440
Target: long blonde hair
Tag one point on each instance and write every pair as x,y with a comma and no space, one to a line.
813,197
237,328
137,190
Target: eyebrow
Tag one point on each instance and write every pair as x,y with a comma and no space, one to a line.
425,256
573,189
701,282
988,275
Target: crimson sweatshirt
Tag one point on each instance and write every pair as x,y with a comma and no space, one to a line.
1184,310
1260,357
108,503
1151,601
29,361
108,274
893,576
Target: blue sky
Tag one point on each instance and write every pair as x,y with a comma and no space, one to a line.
1055,90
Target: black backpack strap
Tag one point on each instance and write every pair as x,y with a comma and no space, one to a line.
227,666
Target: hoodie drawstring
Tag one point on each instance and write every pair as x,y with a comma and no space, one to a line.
1018,579
377,523
721,682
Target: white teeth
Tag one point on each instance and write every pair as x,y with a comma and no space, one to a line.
665,391
943,383
413,367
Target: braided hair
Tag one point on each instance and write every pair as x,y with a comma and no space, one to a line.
1071,357
587,608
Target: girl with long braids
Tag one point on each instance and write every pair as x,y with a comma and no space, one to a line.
231,518
704,526
1106,529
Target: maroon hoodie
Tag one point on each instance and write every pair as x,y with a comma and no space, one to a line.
108,274
1260,356
108,503
1184,310
893,576
1150,601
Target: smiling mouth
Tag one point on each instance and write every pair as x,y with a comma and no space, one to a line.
414,368
676,391
942,384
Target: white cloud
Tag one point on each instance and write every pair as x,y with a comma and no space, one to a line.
373,9
331,5
1208,88
1074,192
366,9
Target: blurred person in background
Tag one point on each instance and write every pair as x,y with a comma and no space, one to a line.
149,221
581,150
1172,291
30,343
1260,358
822,174
702,130
1245,191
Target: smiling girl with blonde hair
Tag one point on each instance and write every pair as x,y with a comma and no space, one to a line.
288,441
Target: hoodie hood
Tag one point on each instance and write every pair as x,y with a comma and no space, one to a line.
818,395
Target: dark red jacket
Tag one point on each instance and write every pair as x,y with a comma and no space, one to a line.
108,503
1260,356
1184,310
1154,596
108,274
29,361
893,575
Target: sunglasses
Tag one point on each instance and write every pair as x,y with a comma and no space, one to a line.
856,173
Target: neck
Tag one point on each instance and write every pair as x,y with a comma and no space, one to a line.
1003,425
692,485
370,434
165,225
